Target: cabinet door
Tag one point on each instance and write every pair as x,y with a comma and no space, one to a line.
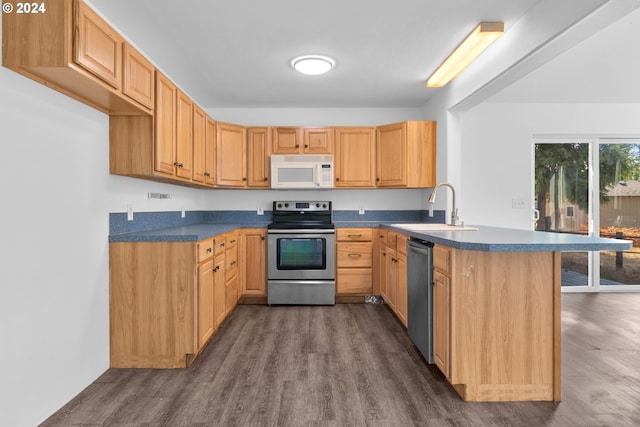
254,262
199,144
258,158
355,159
392,279
97,46
318,141
231,294
138,77
401,289
219,289
441,331
206,320
392,156
231,156
210,151
384,265
165,125
286,140
184,136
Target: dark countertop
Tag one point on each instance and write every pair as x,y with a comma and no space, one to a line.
491,239
496,239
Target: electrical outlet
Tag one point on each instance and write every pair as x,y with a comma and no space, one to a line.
517,203
361,210
259,210
183,213
129,212
430,210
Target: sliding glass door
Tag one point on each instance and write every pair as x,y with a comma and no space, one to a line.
579,183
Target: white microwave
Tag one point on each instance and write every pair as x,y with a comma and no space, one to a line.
305,171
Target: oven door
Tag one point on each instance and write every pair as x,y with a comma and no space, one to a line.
306,254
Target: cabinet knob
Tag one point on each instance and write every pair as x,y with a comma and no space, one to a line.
222,245
261,238
209,250
377,179
337,179
207,174
244,179
297,145
265,179
306,146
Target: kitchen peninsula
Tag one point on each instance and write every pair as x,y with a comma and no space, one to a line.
496,301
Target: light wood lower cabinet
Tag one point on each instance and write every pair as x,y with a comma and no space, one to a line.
354,261
253,261
392,266
497,323
167,299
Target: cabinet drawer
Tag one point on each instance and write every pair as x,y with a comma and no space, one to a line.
354,255
231,239
354,234
354,281
219,244
442,258
205,249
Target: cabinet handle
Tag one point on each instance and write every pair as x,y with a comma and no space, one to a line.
337,179
207,174
233,241
209,250
176,164
377,179
306,146
244,179
233,263
261,238
353,236
265,179
297,145
355,255
222,245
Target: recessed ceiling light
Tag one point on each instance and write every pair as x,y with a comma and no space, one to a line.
313,64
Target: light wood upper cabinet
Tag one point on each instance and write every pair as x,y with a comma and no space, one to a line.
184,136
286,140
231,155
406,155
318,141
210,152
98,47
199,144
296,140
258,159
71,49
355,160
138,80
165,125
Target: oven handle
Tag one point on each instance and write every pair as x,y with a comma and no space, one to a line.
303,231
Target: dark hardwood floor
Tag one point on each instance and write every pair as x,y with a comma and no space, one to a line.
354,364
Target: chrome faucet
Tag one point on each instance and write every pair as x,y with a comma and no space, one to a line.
454,210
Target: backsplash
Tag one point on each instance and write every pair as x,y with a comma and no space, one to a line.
144,221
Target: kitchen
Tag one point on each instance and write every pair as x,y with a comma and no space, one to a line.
65,210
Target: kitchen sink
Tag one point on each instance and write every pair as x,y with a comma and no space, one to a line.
418,227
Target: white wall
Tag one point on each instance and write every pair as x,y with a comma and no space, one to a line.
496,153
56,196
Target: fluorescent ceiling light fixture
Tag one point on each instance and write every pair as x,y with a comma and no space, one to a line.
313,64
466,52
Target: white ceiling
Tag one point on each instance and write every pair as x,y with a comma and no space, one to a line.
236,54
605,68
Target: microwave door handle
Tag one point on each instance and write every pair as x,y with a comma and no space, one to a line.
318,175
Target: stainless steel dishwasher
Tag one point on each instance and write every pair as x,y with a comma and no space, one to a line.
420,295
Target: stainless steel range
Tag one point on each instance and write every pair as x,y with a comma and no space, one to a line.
301,254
